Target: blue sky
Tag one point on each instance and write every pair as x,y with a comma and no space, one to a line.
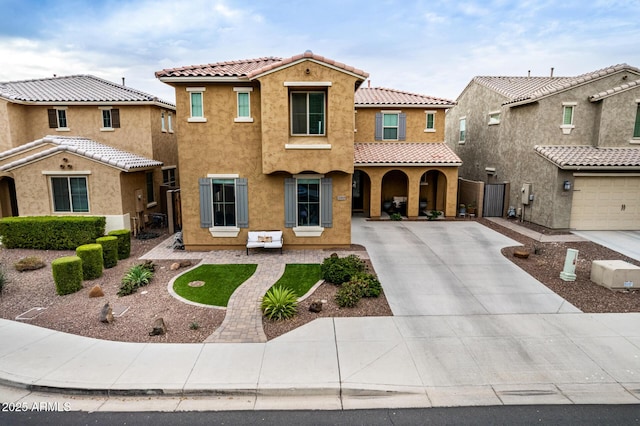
431,47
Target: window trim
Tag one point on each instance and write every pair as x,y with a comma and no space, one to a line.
635,138
197,118
566,128
104,128
307,113
68,176
492,117
163,128
397,127
66,119
169,122
241,118
166,169
431,129
309,231
152,202
223,231
462,130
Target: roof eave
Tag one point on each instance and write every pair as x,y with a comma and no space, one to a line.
204,79
455,164
361,77
435,106
607,168
89,103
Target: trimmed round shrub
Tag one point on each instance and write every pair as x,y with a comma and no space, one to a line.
338,270
279,303
349,295
109,250
67,274
124,242
91,255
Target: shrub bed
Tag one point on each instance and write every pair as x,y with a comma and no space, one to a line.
109,250
91,255
50,232
338,270
67,274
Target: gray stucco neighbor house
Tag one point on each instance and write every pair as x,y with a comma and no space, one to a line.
571,143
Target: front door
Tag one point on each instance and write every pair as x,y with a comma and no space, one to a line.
357,198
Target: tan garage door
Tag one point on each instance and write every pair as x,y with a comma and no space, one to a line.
606,203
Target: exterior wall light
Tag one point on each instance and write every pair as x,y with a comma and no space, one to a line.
567,185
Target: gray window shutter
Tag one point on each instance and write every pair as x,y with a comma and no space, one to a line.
402,126
326,202
115,118
242,203
378,126
290,202
53,118
206,203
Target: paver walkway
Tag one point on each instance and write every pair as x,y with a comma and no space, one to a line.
243,320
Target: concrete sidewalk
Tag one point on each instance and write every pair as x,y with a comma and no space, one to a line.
488,345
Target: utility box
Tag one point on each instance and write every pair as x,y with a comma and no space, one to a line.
526,193
615,274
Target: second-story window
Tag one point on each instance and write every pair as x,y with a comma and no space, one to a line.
58,118
462,135
243,111
430,125
308,113
169,123
110,118
568,112
196,101
390,126
163,127
636,127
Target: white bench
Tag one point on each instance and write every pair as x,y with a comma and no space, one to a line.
264,239
615,274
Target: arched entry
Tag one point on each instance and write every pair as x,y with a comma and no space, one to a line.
433,191
395,187
8,199
360,193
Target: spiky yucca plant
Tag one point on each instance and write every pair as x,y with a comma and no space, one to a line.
279,303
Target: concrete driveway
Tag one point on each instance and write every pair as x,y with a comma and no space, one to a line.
451,268
625,242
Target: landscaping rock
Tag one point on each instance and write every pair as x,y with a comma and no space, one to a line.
159,328
316,306
521,253
106,314
185,263
96,291
174,266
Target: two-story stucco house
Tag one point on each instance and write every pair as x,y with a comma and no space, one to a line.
270,145
84,145
567,146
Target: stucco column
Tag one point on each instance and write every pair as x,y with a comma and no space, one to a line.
452,189
375,197
413,197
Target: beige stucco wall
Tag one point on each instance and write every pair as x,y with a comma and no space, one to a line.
276,131
365,119
617,118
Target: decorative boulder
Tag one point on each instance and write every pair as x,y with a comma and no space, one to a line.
174,266
316,306
159,328
106,314
96,291
521,253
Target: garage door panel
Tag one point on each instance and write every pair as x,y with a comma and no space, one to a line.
606,203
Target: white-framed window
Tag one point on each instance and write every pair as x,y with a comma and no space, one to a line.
70,194
308,204
170,122
462,132
224,207
110,118
494,118
308,113
430,125
636,127
58,119
196,103
568,112
151,198
308,201
243,110
224,201
163,128
169,175
390,126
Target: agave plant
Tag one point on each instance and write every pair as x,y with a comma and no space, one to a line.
137,276
279,303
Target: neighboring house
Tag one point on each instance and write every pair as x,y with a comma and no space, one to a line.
568,147
94,109
270,146
62,175
400,154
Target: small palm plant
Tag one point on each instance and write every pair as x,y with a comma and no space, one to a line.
279,303
136,277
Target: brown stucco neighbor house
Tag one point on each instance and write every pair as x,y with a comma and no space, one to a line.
91,108
569,147
272,144
63,175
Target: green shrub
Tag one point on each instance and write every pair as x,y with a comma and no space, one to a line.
109,250
67,274
124,242
279,303
50,232
91,255
338,270
368,283
137,276
30,263
395,216
348,295
3,280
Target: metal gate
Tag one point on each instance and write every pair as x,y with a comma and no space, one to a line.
493,200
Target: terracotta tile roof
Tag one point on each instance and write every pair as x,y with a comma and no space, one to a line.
614,90
379,96
250,68
590,157
529,89
74,88
404,153
84,147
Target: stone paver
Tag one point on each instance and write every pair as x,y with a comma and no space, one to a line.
243,320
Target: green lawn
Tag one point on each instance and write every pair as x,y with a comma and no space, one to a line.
220,282
300,277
